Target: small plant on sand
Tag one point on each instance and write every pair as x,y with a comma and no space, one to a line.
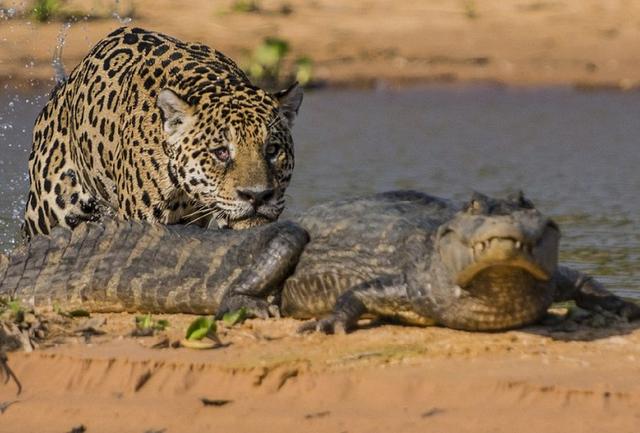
44,10
245,6
201,334
11,310
146,325
304,70
200,328
235,317
266,65
470,9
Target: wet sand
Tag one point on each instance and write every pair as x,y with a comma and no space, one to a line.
586,43
381,379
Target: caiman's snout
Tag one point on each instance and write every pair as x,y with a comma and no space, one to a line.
509,234
509,244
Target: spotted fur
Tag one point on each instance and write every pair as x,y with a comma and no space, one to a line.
151,128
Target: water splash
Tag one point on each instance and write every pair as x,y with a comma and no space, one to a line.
58,66
7,13
116,15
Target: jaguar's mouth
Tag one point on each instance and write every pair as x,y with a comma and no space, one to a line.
249,221
243,222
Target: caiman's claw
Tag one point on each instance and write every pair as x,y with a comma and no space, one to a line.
630,310
255,307
331,324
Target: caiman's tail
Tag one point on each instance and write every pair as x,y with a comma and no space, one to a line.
136,266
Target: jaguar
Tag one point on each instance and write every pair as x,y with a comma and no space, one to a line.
151,128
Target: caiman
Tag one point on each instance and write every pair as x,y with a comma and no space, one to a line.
485,264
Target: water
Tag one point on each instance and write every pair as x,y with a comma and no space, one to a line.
574,154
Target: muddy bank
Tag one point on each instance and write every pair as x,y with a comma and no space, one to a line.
385,378
585,43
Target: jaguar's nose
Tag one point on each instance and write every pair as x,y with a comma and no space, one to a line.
256,197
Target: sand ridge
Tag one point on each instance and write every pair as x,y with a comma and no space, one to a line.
383,378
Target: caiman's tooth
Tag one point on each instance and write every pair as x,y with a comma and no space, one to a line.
518,245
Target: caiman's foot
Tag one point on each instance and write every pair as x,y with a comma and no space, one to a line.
332,324
256,308
629,310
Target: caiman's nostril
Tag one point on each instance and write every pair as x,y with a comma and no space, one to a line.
256,198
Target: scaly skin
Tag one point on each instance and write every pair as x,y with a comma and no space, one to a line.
483,265
137,266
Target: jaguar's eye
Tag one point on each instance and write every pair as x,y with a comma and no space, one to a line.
271,150
222,153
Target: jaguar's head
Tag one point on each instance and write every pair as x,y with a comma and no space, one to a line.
232,153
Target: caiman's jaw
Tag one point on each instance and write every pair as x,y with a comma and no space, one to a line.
509,237
538,259
496,259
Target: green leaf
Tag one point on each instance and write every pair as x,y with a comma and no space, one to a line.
162,324
234,317
148,322
200,328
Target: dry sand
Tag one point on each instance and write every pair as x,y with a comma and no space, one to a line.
381,379
363,43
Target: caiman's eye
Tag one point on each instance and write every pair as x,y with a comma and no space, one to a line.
271,151
222,153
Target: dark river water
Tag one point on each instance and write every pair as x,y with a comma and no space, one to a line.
576,155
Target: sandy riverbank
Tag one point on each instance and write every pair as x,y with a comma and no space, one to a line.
363,43
382,379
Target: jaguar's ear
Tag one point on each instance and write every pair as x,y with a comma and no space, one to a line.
290,100
174,110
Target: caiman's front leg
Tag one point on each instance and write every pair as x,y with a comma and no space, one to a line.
272,266
382,297
588,293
